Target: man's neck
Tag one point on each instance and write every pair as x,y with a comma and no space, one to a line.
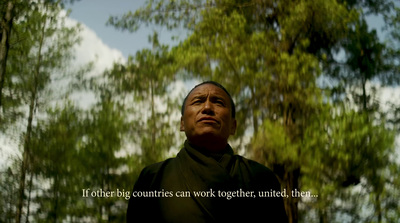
210,147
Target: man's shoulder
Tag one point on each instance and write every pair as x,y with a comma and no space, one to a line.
155,168
149,176
259,171
257,167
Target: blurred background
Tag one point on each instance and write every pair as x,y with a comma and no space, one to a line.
90,93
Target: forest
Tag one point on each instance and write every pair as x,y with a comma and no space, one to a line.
307,76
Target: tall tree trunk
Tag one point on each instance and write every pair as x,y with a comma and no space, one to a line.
55,197
153,118
323,218
6,25
29,197
291,179
27,138
254,106
291,170
364,93
25,158
108,204
378,208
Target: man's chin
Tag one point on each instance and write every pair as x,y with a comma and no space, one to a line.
209,132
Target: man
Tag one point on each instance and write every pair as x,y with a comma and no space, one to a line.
206,182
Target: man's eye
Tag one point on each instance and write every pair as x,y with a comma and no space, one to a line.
196,102
220,102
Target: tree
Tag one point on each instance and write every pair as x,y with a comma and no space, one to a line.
106,126
368,64
8,191
235,43
147,78
346,159
271,55
55,160
48,49
10,10
7,9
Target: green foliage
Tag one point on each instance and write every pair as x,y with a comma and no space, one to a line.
40,46
40,49
344,149
147,78
272,55
8,192
273,143
104,126
75,150
333,140
55,160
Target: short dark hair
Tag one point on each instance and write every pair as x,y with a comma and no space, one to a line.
233,110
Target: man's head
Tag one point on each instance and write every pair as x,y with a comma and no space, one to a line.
208,116
233,108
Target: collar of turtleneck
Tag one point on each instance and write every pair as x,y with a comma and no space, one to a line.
215,155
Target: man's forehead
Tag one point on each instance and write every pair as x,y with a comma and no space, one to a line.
206,89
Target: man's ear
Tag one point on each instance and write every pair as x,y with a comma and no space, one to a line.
233,127
182,128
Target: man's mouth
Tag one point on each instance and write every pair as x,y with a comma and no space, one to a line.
208,119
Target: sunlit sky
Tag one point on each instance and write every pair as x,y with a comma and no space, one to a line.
94,14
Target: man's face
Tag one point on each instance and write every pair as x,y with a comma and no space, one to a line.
207,115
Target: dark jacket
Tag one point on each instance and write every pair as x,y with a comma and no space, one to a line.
157,194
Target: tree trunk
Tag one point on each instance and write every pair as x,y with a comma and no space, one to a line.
27,138
323,218
29,198
378,208
108,204
153,122
55,197
364,93
291,174
6,25
25,158
291,179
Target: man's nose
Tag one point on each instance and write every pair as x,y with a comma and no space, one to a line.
208,107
